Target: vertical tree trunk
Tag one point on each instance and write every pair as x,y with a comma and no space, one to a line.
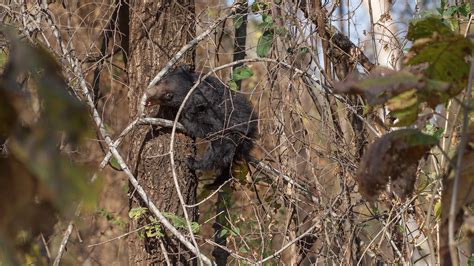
224,195
158,29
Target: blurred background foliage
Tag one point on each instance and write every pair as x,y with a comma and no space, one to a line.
42,123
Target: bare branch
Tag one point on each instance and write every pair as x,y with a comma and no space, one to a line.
64,241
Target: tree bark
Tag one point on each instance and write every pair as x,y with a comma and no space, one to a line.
224,195
158,29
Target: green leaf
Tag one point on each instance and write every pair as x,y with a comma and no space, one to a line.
440,11
470,260
153,230
241,73
195,227
238,20
442,8
119,222
425,27
404,107
136,213
267,18
175,220
233,85
223,232
267,22
431,130
153,219
180,222
464,9
258,6
405,117
115,163
446,59
417,140
236,231
265,43
106,214
303,50
451,11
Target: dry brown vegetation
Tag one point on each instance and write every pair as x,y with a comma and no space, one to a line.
365,142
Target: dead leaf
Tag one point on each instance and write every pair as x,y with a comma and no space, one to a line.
393,157
403,92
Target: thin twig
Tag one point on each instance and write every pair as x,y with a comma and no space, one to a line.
45,244
208,197
468,27
117,237
431,207
372,26
288,244
232,253
401,210
164,252
461,148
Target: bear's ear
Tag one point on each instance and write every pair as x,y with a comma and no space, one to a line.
188,68
187,71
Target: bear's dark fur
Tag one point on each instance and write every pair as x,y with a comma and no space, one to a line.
213,112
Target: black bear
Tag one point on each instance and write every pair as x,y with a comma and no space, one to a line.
213,112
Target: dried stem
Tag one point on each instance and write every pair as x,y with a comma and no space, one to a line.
461,149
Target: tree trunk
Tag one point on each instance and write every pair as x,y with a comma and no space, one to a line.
158,29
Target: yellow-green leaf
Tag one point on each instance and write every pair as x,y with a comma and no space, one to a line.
264,44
